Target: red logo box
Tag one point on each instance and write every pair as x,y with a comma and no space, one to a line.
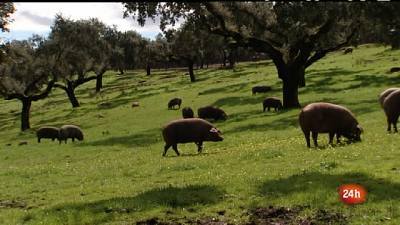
352,194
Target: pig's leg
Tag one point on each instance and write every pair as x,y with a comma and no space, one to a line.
315,137
307,136
389,124
395,123
166,147
175,147
338,135
199,146
331,135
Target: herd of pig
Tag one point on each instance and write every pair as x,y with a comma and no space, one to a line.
315,118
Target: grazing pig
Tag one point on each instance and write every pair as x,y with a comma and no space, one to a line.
210,112
321,117
48,132
385,93
260,89
391,106
173,102
23,143
70,131
187,112
135,104
394,69
348,50
189,130
272,102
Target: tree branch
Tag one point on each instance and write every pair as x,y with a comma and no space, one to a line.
83,80
261,25
15,96
33,84
57,85
45,93
325,28
255,43
321,53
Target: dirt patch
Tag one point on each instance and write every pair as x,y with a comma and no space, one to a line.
263,216
291,216
203,221
12,204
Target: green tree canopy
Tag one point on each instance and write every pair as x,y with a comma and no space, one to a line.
83,49
23,75
294,34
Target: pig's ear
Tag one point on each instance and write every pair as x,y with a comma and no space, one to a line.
360,128
214,130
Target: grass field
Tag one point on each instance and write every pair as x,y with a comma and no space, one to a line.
118,176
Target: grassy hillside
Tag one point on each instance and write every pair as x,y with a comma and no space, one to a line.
117,175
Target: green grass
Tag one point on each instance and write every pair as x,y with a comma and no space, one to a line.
117,175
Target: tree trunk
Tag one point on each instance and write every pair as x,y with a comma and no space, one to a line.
395,45
231,58
191,74
71,95
121,71
202,63
301,76
148,69
290,94
25,113
99,82
290,77
224,59
231,63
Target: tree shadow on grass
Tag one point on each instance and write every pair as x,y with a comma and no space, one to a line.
237,117
237,74
358,107
374,81
359,81
236,100
228,88
317,83
310,183
61,120
137,139
254,64
172,154
278,124
99,212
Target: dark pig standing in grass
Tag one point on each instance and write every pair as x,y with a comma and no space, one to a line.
260,89
187,112
348,50
272,102
385,93
391,106
321,117
70,131
189,130
48,132
211,112
173,102
394,69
